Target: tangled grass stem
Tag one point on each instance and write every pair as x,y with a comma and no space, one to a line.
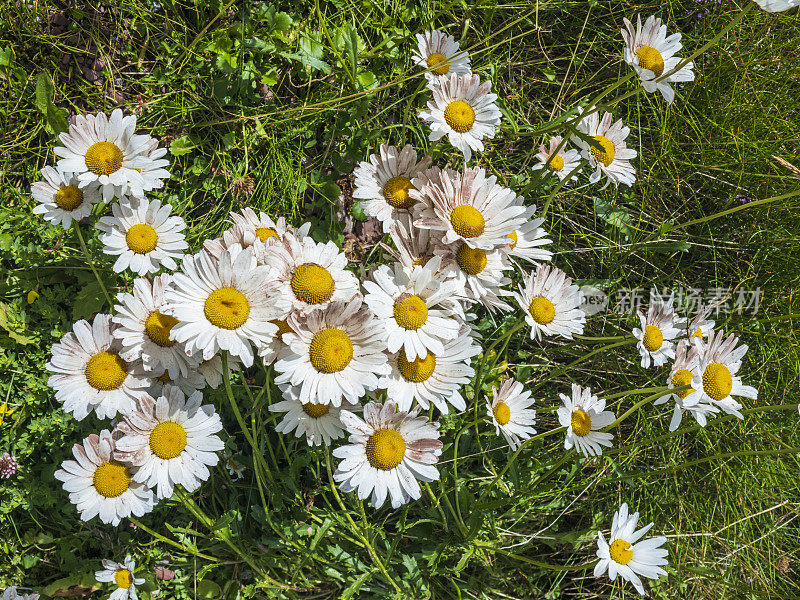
90,261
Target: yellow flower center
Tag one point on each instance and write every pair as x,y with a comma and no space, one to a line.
652,338
331,350
167,440
103,158
556,163
620,552
106,371
111,479
460,116
410,311
542,310
650,58
141,238
283,326
717,381
501,412
69,197
123,578
467,221
581,423
471,260
417,370
385,449
514,239
227,308
264,233
698,333
157,326
606,154
315,411
396,192
681,378
440,62
312,284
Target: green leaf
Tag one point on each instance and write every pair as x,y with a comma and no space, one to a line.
208,589
183,145
367,80
55,118
13,326
357,210
614,214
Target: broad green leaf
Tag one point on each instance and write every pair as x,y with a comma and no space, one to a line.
183,145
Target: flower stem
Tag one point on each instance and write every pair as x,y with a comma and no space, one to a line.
90,262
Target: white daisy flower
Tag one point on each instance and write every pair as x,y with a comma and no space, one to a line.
89,373
479,273
716,379
551,303
60,199
613,157
222,305
306,275
144,330
413,247
440,53
415,306
107,151
211,369
384,182
527,240
510,412
683,370
172,440
121,574
561,162
269,351
98,484
625,555
659,328
319,423
462,109
11,593
584,415
700,326
193,382
333,353
434,379
777,5
652,54
234,467
467,207
387,453
143,235
153,171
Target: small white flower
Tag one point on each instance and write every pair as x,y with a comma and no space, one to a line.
683,370
551,303
143,235
559,161
121,574
211,369
234,467
462,109
658,329
479,273
100,485
527,240
153,171
11,593
387,453
584,415
60,199
625,555
700,326
510,412
777,5
172,440
319,423
193,382
440,53
413,247
613,157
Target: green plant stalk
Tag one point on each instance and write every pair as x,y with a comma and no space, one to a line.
582,567
90,262
166,540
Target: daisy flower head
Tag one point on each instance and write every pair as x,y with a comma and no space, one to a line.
11,593
171,440
254,230
658,330
462,109
212,371
306,275
144,330
413,247
191,383
384,183
433,379
469,207
415,306
683,370
105,150
700,326
651,52
479,273
625,555
584,415
121,574
716,380
319,423
561,161
441,54
144,236
609,154
60,199
551,303
89,373
777,5
222,305
333,354
153,171
388,452
527,239
98,484
269,351
234,467
511,414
